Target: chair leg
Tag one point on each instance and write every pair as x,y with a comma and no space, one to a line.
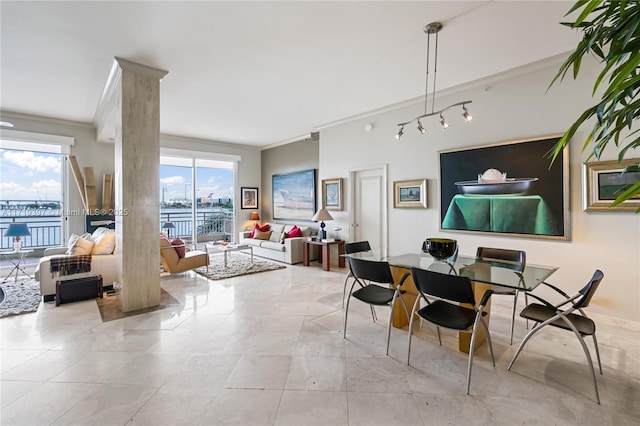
486,329
346,311
411,318
589,360
595,343
344,288
534,330
513,315
389,325
471,351
526,303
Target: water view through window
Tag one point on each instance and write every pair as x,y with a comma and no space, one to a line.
31,192
211,184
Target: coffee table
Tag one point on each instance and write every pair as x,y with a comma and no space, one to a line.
218,247
16,258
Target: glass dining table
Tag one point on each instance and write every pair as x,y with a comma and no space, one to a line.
484,275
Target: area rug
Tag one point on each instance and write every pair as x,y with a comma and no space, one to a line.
237,264
20,297
109,306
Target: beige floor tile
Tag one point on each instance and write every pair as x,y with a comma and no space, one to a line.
243,407
312,408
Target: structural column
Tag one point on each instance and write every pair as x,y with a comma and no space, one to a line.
136,186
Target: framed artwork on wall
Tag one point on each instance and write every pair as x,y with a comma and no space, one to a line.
410,194
332,194
507,188
248,197
294,195
604,181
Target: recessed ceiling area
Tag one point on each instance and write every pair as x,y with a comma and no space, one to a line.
259,73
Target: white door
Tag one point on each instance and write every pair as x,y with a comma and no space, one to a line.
369,206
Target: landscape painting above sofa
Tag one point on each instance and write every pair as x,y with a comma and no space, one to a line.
294,195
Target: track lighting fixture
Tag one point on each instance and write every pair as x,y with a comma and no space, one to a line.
443,122
434,28
467,117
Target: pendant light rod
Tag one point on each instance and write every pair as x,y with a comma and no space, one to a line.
433,28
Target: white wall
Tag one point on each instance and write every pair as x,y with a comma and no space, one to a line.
514,107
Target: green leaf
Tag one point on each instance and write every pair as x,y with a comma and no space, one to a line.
632,191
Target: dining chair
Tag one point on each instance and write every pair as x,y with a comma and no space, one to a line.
572,318
350,248
443,294
378,288
511,259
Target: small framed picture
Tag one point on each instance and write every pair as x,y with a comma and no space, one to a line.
604,181
249,198
410,194
332,194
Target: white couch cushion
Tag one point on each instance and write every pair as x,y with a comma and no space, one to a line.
252,242
276,232
105,241
80,244
273,245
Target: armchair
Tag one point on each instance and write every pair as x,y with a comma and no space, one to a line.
174,264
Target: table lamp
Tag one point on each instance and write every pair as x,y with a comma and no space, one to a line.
17,230
255,216
322,215
168,226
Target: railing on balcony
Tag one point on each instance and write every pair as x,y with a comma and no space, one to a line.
46,229
209,224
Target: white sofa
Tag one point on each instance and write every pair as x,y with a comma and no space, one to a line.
290,250
101,264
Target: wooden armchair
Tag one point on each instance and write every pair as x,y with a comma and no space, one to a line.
174,264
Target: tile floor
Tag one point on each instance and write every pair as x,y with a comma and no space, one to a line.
268,349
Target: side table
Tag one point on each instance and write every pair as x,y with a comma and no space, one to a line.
324,254
16,258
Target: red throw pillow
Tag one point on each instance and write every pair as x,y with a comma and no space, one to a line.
295,232
178,244
263,228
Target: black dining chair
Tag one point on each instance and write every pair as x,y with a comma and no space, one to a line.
442,294
350,248
511,259
572,318
378,288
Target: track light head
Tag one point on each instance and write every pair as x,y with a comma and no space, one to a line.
400,133
443,122
421,129
467,117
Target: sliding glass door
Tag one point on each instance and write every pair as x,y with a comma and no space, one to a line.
196,198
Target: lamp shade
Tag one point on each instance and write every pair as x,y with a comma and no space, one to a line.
255,216
168,225
17,230
321,215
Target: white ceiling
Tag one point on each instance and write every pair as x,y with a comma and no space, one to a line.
260,73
